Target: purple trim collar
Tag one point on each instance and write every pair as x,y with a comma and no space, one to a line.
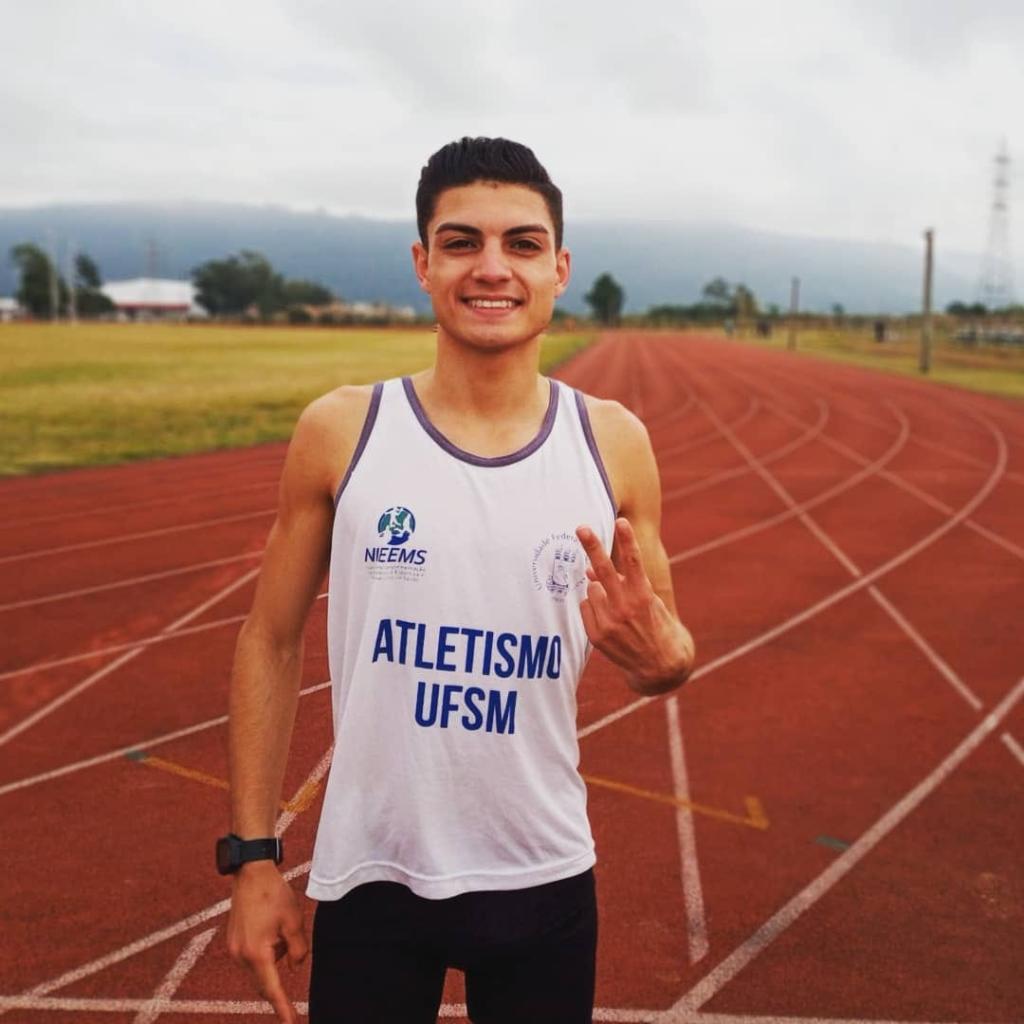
364,436
481,460
588,433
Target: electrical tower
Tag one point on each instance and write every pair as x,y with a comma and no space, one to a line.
996,287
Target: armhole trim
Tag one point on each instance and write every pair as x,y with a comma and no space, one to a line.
588,433
364,436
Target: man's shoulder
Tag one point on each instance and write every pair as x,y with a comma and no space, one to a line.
613,424
623,444
327,432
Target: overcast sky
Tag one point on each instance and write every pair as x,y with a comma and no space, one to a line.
845,119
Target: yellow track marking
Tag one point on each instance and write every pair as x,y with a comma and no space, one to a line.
299,803
755,817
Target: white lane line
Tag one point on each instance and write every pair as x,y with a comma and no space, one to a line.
749,1018
124,537
284,822
830,599
870,468
130,581
716,979
184,925
90,680
893,478
209,913
709,436
693,895
810,433
85,511
1013,747
127,645
912,489
233,1007
146,744
944,669
175,976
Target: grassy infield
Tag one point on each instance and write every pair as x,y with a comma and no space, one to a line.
92,394
97,393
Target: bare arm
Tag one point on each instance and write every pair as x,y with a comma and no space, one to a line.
266,920
630,609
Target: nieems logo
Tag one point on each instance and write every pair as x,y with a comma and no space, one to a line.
393,559
397,523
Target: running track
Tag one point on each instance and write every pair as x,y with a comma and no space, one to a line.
826,824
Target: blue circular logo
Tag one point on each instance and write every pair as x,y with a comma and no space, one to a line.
398,523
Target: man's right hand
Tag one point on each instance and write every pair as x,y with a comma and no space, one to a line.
266,924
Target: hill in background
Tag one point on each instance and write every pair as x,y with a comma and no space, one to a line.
361,258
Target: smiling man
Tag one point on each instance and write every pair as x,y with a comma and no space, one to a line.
483,527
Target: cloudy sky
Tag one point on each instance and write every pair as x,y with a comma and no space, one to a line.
844,119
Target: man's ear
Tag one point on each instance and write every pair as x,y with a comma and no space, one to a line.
419,264
563,270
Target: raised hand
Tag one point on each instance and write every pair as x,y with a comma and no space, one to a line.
626,619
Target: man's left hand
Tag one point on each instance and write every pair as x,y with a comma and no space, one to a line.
626,619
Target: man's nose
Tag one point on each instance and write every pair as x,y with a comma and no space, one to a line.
492,262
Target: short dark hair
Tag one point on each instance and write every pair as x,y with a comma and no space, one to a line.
483,159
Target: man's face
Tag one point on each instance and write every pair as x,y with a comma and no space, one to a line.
491,269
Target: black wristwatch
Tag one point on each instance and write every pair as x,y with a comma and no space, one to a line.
233,852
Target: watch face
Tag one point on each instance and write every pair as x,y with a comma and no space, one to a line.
227,860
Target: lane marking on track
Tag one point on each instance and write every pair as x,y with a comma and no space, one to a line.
869,469
939,663
754,818
95,510
232,1007
1013,747
689,866
127,645
186,923
68,695
809,434
894,478
113,755
831,841
299,803
175,976
706,438
720,976
130,581
125,537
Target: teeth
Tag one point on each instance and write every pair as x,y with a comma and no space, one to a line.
491,303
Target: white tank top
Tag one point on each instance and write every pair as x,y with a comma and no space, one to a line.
455,646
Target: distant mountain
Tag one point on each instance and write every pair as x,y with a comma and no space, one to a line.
362,258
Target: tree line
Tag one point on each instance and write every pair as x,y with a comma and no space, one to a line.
233,287
719,301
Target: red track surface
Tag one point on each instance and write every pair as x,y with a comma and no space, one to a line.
848,549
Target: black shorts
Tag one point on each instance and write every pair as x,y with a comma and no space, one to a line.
380,954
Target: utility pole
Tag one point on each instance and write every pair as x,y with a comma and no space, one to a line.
54,288
72,299
926,307
794,308
995,289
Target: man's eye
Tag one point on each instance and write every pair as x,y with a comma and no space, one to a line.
458,243
527,244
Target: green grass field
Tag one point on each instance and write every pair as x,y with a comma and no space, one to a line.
94,394
997,370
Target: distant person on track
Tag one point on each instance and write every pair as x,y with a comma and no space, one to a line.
457,511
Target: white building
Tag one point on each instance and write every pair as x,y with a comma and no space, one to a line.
10,310
151,298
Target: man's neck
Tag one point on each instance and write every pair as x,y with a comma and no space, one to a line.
474,384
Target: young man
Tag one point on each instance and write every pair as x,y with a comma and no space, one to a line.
457,512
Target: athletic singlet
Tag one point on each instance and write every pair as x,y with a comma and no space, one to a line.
455,645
